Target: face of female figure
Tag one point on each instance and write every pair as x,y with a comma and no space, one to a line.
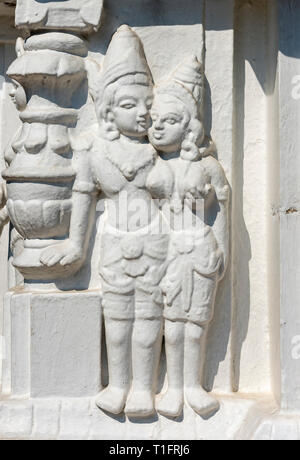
18,96
169,123
131,110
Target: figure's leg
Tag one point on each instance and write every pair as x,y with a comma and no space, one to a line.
194,352
118,342
146,350
171,403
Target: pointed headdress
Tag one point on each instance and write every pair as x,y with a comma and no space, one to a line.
186,84
125,59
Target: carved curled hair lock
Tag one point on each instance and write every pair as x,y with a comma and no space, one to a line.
190,146
109,127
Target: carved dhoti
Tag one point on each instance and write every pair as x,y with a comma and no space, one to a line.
192,276
131,267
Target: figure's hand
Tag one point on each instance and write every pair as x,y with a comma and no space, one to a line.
196,193
65,253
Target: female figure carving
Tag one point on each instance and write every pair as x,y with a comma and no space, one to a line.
187,175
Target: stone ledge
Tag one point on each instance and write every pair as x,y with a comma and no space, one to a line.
275,426
70,419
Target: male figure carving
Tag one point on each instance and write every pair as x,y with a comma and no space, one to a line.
133,251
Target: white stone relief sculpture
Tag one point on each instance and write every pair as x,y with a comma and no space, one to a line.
121,165
155,278
138,300
40,174
189,180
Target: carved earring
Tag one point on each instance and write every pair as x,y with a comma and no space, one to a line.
111,130
189,149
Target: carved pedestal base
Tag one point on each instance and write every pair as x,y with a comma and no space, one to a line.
53,344
80,419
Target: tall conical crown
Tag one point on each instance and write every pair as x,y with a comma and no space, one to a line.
125,56
190,76
186,84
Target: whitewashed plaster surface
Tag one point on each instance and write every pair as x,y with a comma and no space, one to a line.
247,102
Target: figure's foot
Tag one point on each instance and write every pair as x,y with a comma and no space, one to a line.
201,401
171,403
140,404
112,399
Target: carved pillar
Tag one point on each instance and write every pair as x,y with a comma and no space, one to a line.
50,68
40,176
50,82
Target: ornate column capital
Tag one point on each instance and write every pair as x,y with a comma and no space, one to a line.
76,15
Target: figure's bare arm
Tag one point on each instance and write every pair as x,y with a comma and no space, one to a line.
221,227
84,200
221,232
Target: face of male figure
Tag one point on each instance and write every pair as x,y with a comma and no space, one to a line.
131,110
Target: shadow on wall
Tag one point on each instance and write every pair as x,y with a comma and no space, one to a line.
250,27
218,333
253,32
290,36
232,308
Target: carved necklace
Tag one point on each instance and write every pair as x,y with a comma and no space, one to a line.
129,169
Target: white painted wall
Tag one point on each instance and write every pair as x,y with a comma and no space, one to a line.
289,123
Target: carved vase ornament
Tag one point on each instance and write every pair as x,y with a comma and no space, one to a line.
40,174
49,76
